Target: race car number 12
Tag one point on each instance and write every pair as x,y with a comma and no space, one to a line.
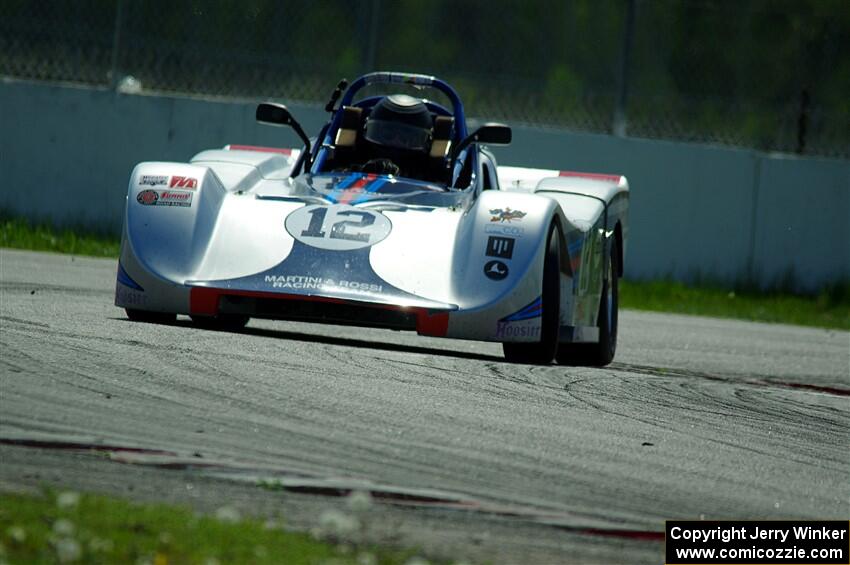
337,227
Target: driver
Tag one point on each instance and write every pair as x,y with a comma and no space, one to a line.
398,132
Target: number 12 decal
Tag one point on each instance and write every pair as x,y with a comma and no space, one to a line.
337,227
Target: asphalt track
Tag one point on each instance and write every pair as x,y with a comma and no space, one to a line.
698,417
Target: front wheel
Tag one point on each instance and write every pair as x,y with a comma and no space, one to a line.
601,353
542,352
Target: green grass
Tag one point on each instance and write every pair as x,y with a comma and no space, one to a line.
829,309
100,529
20,234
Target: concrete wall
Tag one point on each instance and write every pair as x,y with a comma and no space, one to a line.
696,211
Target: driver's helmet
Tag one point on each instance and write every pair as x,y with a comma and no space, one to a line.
401,122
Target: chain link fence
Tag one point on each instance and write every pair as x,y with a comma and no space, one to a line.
769,74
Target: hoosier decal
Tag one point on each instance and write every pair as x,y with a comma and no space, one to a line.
523,329
524,323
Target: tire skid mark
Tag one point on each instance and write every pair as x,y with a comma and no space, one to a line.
29,287
67,374
513,374
814,432
426,366
52,332
815,388
300,482
628,534
23,322
663,372
756,411
70,444
105,363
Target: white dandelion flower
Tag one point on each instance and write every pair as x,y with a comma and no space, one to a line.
227,514
17,534
335,523
359,501
68,550
67,500
63,527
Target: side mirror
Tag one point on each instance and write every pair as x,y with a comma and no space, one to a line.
278,115
492,133
274,114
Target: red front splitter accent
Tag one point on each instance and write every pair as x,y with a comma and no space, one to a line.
436,325
203,301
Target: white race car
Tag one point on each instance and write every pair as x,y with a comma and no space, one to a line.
395,217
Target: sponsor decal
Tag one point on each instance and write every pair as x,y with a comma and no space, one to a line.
524,323
502,215
186,183
174,198
504,229
164,198
147,197
153,180
355,188
522,329
495,270
337,227
303,282
125,296
502,247
127,291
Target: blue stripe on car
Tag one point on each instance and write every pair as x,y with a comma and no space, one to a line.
531,310
126,280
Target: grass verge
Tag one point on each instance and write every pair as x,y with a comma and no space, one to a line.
829,309
20,234
70,527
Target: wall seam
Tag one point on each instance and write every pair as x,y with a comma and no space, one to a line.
751,277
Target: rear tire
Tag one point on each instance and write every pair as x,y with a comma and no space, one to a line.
221,322
150,317
542,352
602,353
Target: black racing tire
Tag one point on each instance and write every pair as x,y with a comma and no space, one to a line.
542,352
150,317
601,353
221,322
